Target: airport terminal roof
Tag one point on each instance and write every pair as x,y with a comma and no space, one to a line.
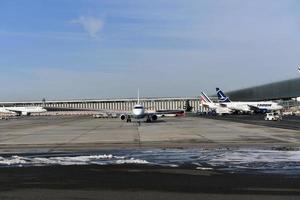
101,100
278,90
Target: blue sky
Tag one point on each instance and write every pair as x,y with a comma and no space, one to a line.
72,49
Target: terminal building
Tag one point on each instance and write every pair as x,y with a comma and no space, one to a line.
127,104
285,90
117,104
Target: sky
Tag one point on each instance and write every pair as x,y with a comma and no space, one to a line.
85,49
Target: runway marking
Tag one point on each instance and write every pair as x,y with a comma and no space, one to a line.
138,134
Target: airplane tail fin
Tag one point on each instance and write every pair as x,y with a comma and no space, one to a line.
138,96
221,96
205,98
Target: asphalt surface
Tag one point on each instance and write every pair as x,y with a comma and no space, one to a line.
132,182
59,133
288,122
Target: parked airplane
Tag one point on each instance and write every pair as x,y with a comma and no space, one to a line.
206,102
247,107
22,110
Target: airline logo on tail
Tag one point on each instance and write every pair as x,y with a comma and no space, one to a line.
222,97
205,98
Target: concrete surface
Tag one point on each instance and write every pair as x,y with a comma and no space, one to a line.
53,133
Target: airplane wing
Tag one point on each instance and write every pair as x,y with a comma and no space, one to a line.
115,112
254,108
223,104
243,108
18,112
4,110
165,113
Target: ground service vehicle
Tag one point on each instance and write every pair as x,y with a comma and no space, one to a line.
273,116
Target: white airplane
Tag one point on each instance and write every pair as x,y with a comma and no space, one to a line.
22,110
220,110
247,107
139,112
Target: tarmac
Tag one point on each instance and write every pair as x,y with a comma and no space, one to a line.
50,138
67,133
288,122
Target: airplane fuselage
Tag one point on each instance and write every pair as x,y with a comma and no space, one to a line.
138,111
263,106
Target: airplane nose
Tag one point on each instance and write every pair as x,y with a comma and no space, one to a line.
140,112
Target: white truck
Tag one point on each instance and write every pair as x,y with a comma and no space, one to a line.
273,116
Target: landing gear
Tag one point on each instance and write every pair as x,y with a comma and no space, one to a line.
148,120
128,119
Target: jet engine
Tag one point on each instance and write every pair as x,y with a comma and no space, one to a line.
154,117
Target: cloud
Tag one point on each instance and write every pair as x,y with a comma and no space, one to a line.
91,25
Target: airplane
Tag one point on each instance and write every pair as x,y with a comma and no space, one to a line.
207,102
139,112
22,110
247,107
